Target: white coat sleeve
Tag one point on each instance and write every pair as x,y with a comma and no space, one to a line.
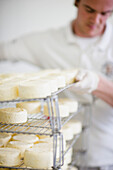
15,50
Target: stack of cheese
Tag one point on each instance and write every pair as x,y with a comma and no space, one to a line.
40,156
71,128
8,156
34,85
22,142
36,151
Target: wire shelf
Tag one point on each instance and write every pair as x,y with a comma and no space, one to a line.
22,166
39,124
36,124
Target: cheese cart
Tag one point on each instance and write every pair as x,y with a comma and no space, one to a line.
41,125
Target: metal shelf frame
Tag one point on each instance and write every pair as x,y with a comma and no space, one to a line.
39,124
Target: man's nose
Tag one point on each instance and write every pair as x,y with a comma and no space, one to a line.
96,18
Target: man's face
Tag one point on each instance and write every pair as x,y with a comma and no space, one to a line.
92,16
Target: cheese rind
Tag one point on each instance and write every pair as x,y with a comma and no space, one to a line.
4,138
38,158
31,107
26,138
76,126
67,132
22,146
71,103
13,115
9,157
8,92
61,82
34,89
63,109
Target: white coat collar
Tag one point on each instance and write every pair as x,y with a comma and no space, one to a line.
104,39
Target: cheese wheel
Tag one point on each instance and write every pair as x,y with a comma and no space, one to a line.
31,107
72,104
63,109
9,157
49,142
67,132
22,146
40,158
5,138
26,138
53,83
13,115
8,92
34,89
76,126
70,75
61,81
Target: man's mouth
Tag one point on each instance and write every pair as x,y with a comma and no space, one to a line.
91,26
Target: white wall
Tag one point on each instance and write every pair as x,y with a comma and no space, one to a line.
20,16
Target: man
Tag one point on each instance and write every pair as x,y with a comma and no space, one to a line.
86,43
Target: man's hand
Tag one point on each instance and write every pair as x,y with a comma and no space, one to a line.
87,81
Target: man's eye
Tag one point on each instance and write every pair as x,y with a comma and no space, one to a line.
103,13
89,10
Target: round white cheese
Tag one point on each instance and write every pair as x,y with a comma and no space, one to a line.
61,81
76,126
22,146
13,115
63,109
39,158
72,104
53,83
5,138
34,89
26,138
8,92
67,132
31,107
9,157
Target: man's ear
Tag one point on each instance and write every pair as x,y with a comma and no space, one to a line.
76,3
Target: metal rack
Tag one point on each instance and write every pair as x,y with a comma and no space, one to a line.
40,124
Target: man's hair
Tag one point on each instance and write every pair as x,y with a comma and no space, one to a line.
76,2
